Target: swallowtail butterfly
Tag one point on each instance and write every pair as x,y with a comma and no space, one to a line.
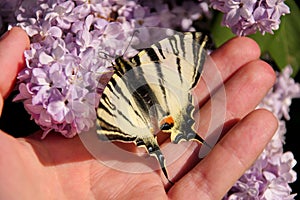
137,102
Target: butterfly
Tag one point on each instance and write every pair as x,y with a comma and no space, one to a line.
151,93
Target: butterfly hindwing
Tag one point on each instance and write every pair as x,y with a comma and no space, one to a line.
185,55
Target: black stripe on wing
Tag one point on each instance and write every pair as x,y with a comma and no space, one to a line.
174,44
160,76
144,97
109,132
152,54
179,69
159,47
136,60
107,101
122,66
199,54
106,109
116,89
179,45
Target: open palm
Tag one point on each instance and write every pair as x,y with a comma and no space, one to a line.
59,168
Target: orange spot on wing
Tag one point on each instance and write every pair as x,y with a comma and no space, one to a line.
167,120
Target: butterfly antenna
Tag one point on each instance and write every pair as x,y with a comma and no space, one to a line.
106,56
134,32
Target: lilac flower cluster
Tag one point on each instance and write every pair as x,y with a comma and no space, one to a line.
60,85
272,172
180,15
279,99
245,17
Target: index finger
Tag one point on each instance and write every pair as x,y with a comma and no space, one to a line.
226,64
229,159
12,46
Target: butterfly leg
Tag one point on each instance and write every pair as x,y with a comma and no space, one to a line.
153,149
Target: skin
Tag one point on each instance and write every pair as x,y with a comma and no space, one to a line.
59,168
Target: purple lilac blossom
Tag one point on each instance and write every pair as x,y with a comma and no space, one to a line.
59,86
64,64
270,175
279,99
246,17
180,15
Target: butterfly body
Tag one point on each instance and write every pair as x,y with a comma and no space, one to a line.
151,93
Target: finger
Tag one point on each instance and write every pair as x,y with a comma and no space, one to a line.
12,46
243,91
229,159
243,48
227,59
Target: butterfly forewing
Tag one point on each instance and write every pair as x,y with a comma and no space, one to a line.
184,53
118,113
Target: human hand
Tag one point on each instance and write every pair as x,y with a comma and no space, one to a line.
59,168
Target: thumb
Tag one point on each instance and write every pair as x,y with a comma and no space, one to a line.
12,46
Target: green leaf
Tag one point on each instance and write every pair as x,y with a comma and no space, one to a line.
220,33
283,46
